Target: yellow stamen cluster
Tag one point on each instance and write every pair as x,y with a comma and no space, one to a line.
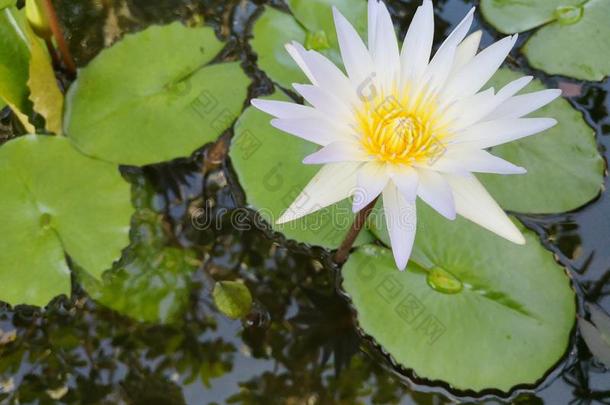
400,130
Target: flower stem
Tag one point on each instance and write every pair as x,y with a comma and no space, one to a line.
343,252
66,56
52,52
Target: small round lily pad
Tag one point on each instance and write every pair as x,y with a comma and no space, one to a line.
232,298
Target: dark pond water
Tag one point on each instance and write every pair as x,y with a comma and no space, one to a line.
299,345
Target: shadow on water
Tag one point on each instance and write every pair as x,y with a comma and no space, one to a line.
299,344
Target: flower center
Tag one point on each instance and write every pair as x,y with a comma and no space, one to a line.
394,131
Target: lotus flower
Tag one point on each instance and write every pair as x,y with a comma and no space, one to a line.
402,125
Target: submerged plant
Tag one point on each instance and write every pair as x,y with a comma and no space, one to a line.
401,125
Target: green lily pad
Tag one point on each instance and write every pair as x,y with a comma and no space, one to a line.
572,40
151,282
511,16
14,61
468,301
578,49
56,202
564,167
269,168
153,97
311,25
317,18
271,32
232,298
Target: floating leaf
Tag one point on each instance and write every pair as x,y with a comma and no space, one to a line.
573,40
311,24
511,16
317,18
45,94
468,300
576,49
56,201
269,167
151,97
151,282
271,32
232,298
564,168
597,334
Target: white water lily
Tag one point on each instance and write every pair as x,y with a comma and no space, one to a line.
402,125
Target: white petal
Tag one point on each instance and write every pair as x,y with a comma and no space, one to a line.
457,35
385,52
323,72
406,181
434,190
475,108
284,109
492,133
417,46
443,165
472,76
373,7
473,202
372,179
340,151
462,113
333,183
437,73
467,50
476,160
356,58
296,56
524,104
325,102
319,131
401,221
443,61
514,87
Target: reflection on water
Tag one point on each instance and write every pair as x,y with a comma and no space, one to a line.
299,345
